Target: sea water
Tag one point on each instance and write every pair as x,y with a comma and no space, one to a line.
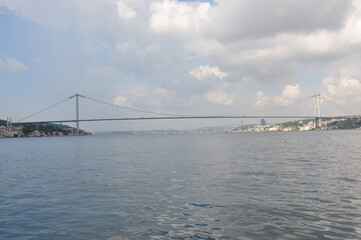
273,185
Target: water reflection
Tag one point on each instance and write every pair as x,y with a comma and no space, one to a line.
225,186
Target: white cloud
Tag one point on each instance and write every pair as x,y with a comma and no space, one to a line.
219,97
1,63
261,99
235,19
203,72
121,101
144,96
15,65
216,79
145,45
289,94
275,53
125,12
177,18
12,64
242,36
126,46
344,86
147,50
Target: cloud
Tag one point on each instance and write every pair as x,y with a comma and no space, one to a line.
219,97
262,99
203,72
289,94
235,19
12,64
2,63
125,12
178,18
238,47
275,53
216,79
121,101
343,86
262,41
126,46
144,97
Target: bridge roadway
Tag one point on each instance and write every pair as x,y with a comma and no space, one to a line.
179,117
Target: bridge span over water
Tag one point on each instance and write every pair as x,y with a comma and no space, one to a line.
150,115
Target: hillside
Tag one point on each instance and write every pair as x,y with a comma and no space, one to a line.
46,129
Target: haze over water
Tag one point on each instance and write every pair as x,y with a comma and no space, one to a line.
276,185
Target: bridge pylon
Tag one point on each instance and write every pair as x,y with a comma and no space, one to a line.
317,109
77,111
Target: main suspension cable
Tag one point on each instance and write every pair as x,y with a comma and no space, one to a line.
137,110
43,110
278,107
336,105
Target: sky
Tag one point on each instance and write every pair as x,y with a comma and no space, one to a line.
181,57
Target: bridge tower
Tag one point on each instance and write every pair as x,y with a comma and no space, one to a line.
316,105
77,111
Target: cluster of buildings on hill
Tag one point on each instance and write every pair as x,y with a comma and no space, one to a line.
18,132
309,125
290,126
7,130
298,125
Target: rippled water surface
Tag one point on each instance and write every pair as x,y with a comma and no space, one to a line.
301,185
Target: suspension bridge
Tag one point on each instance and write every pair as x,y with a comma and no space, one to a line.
124,113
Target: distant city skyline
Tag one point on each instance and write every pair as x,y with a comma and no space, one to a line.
183,57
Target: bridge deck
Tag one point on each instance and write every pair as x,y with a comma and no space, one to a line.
179,117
